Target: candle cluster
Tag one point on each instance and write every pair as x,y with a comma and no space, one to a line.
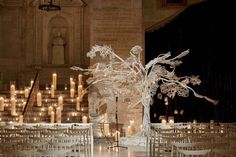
18,98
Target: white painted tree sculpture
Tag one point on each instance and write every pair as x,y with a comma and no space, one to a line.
129,76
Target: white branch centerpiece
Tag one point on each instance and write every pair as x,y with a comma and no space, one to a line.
129,76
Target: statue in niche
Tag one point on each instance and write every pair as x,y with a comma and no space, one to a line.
58,49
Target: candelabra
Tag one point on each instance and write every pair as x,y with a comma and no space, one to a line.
117,145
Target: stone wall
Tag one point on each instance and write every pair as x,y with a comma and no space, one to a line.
11,41
118,23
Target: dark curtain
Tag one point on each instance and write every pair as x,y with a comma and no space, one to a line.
207,29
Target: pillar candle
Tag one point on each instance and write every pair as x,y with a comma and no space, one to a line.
50,109
1,104
31,83
106,129
163,121
39,99
21,119
26,92
72,85
171,119
129,130
52,117
58,115
131,122
132,127
12,90
80,79
60,102
72,93
80,90
54,80
117,135
84,119
52,91
71,80
78,104
13,106
141,127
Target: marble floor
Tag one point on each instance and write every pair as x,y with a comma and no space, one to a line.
102,150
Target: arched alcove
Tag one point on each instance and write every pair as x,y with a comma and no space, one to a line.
58,30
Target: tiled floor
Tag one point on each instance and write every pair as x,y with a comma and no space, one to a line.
102,150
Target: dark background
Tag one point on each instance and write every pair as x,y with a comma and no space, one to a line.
207,30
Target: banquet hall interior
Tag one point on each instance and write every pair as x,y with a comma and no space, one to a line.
117,78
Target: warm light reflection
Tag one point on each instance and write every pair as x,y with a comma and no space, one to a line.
100,148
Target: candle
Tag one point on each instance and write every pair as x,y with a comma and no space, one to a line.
65,86
141,127
50,109
26,92
39,99
72,93
1,104
80,79
131,122
84,119
58,115
21,119
13,106
106,129
129,130
52,117
31,83
171,119
80,90
12,90
163,121
71,82
60,102
52,91
117,135
54,80
78,104
72,85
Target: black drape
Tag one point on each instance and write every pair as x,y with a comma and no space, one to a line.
207,29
